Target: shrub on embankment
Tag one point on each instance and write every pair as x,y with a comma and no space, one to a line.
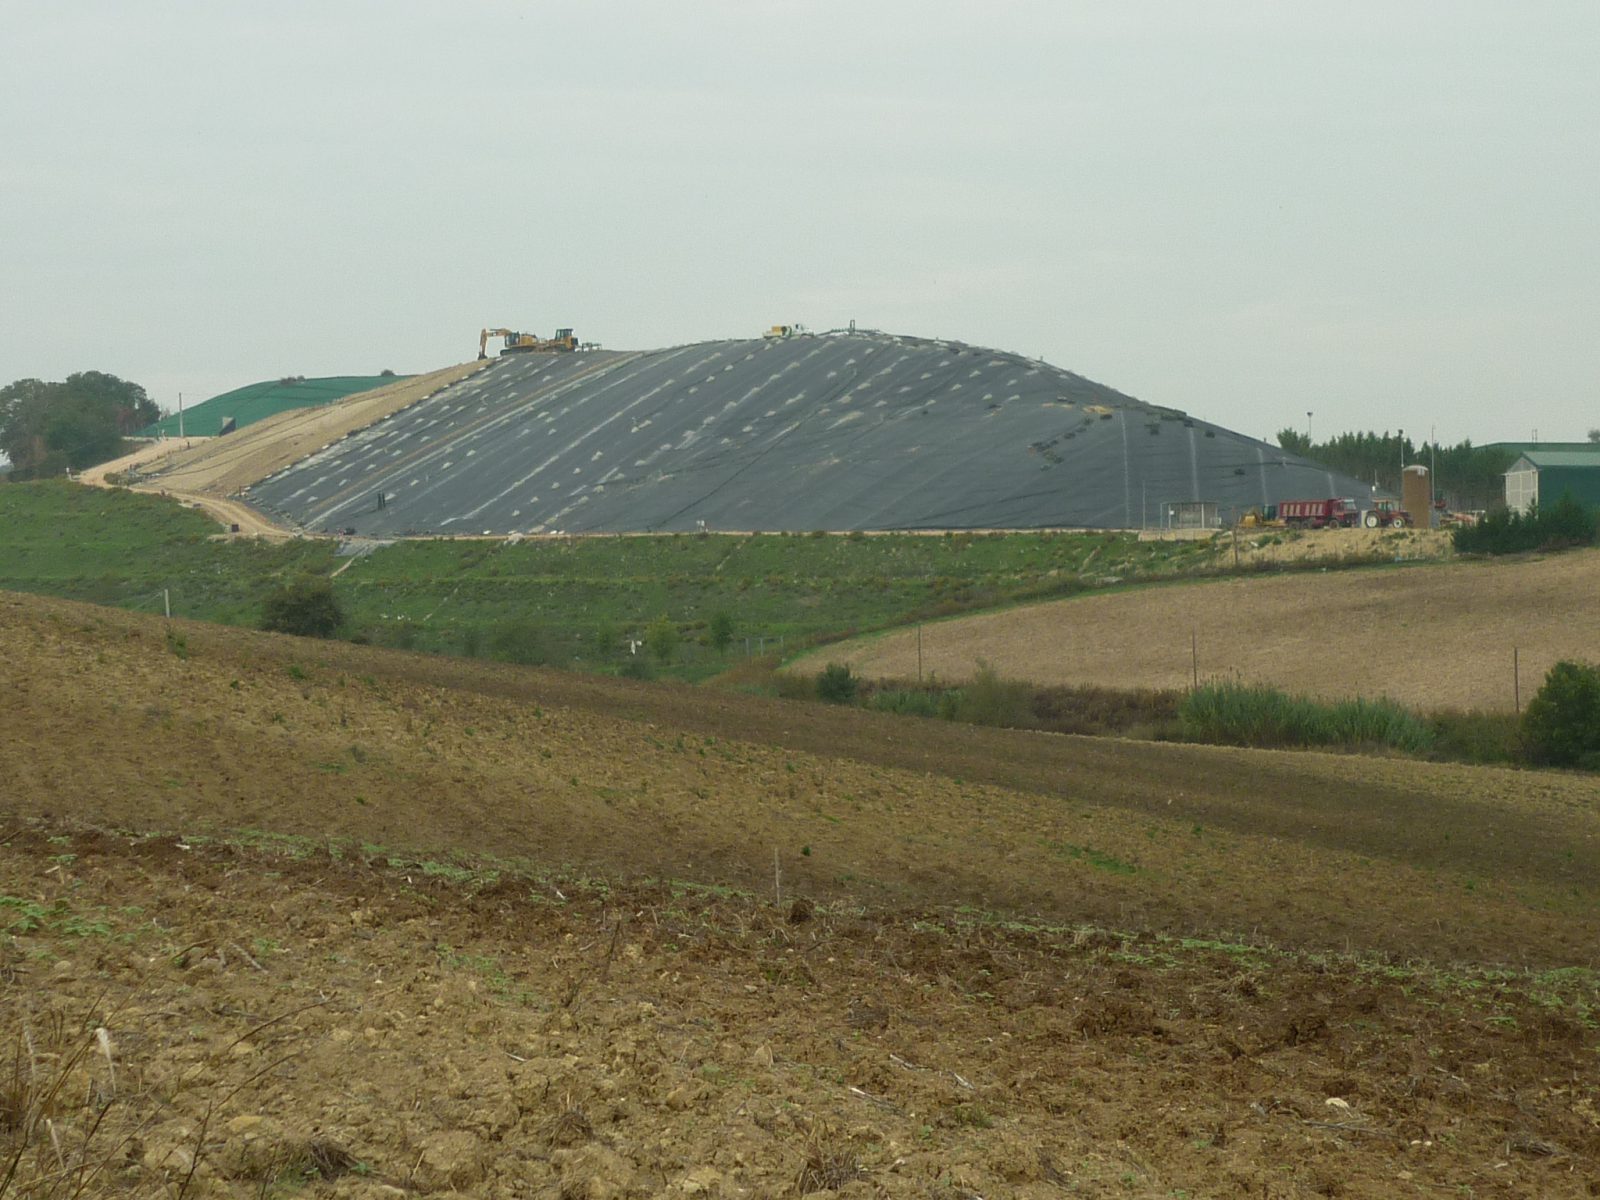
1558,526
1561,726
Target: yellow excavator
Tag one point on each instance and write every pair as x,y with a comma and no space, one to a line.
522,343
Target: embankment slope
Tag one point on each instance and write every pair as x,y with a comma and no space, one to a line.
119,718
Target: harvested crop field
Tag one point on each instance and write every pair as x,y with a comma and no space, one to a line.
1434,636
362,923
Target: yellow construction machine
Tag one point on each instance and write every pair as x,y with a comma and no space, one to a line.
522,343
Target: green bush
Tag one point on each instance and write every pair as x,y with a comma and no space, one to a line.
836,684
519,641
1563,524
720,632
991,700
1238,715
662,638
1476,737
907,702
1561,727
305,607
637,666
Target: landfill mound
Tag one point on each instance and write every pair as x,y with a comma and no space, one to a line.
258,401
842,431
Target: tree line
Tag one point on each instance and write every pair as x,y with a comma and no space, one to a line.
1464,475
48,428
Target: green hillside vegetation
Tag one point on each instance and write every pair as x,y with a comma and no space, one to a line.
698,605
572,602
257,401
123,548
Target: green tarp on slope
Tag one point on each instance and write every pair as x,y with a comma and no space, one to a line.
258,401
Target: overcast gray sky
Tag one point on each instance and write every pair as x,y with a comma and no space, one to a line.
1381,212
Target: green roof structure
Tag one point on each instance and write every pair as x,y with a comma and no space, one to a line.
1544,476
1540,447
257,401
1589,456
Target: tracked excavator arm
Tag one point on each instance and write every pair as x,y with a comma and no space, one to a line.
483,339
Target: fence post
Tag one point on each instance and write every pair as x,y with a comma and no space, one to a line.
1194,659
1516,678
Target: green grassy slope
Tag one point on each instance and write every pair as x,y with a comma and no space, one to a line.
257,401
565,600
123,548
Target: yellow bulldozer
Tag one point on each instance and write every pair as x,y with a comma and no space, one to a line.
525,343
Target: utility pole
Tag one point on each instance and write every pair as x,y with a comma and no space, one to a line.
1308,428
1433,472
180,416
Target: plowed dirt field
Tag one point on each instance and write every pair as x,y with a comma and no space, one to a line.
360,923
1444,635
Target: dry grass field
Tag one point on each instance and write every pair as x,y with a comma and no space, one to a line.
1435,636
361,923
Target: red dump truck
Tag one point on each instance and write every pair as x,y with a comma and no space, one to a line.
1338,513
1318,514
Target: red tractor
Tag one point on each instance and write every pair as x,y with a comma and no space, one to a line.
1386,514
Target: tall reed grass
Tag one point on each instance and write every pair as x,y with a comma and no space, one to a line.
1243,715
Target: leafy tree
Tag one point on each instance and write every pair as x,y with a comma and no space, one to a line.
1295,442
1561,726
662,638
305,607
1594,435
720,630
47,427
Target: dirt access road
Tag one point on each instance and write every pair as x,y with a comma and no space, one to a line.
207,472
1441,635
1005,976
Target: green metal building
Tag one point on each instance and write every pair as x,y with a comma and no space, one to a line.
1543,475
